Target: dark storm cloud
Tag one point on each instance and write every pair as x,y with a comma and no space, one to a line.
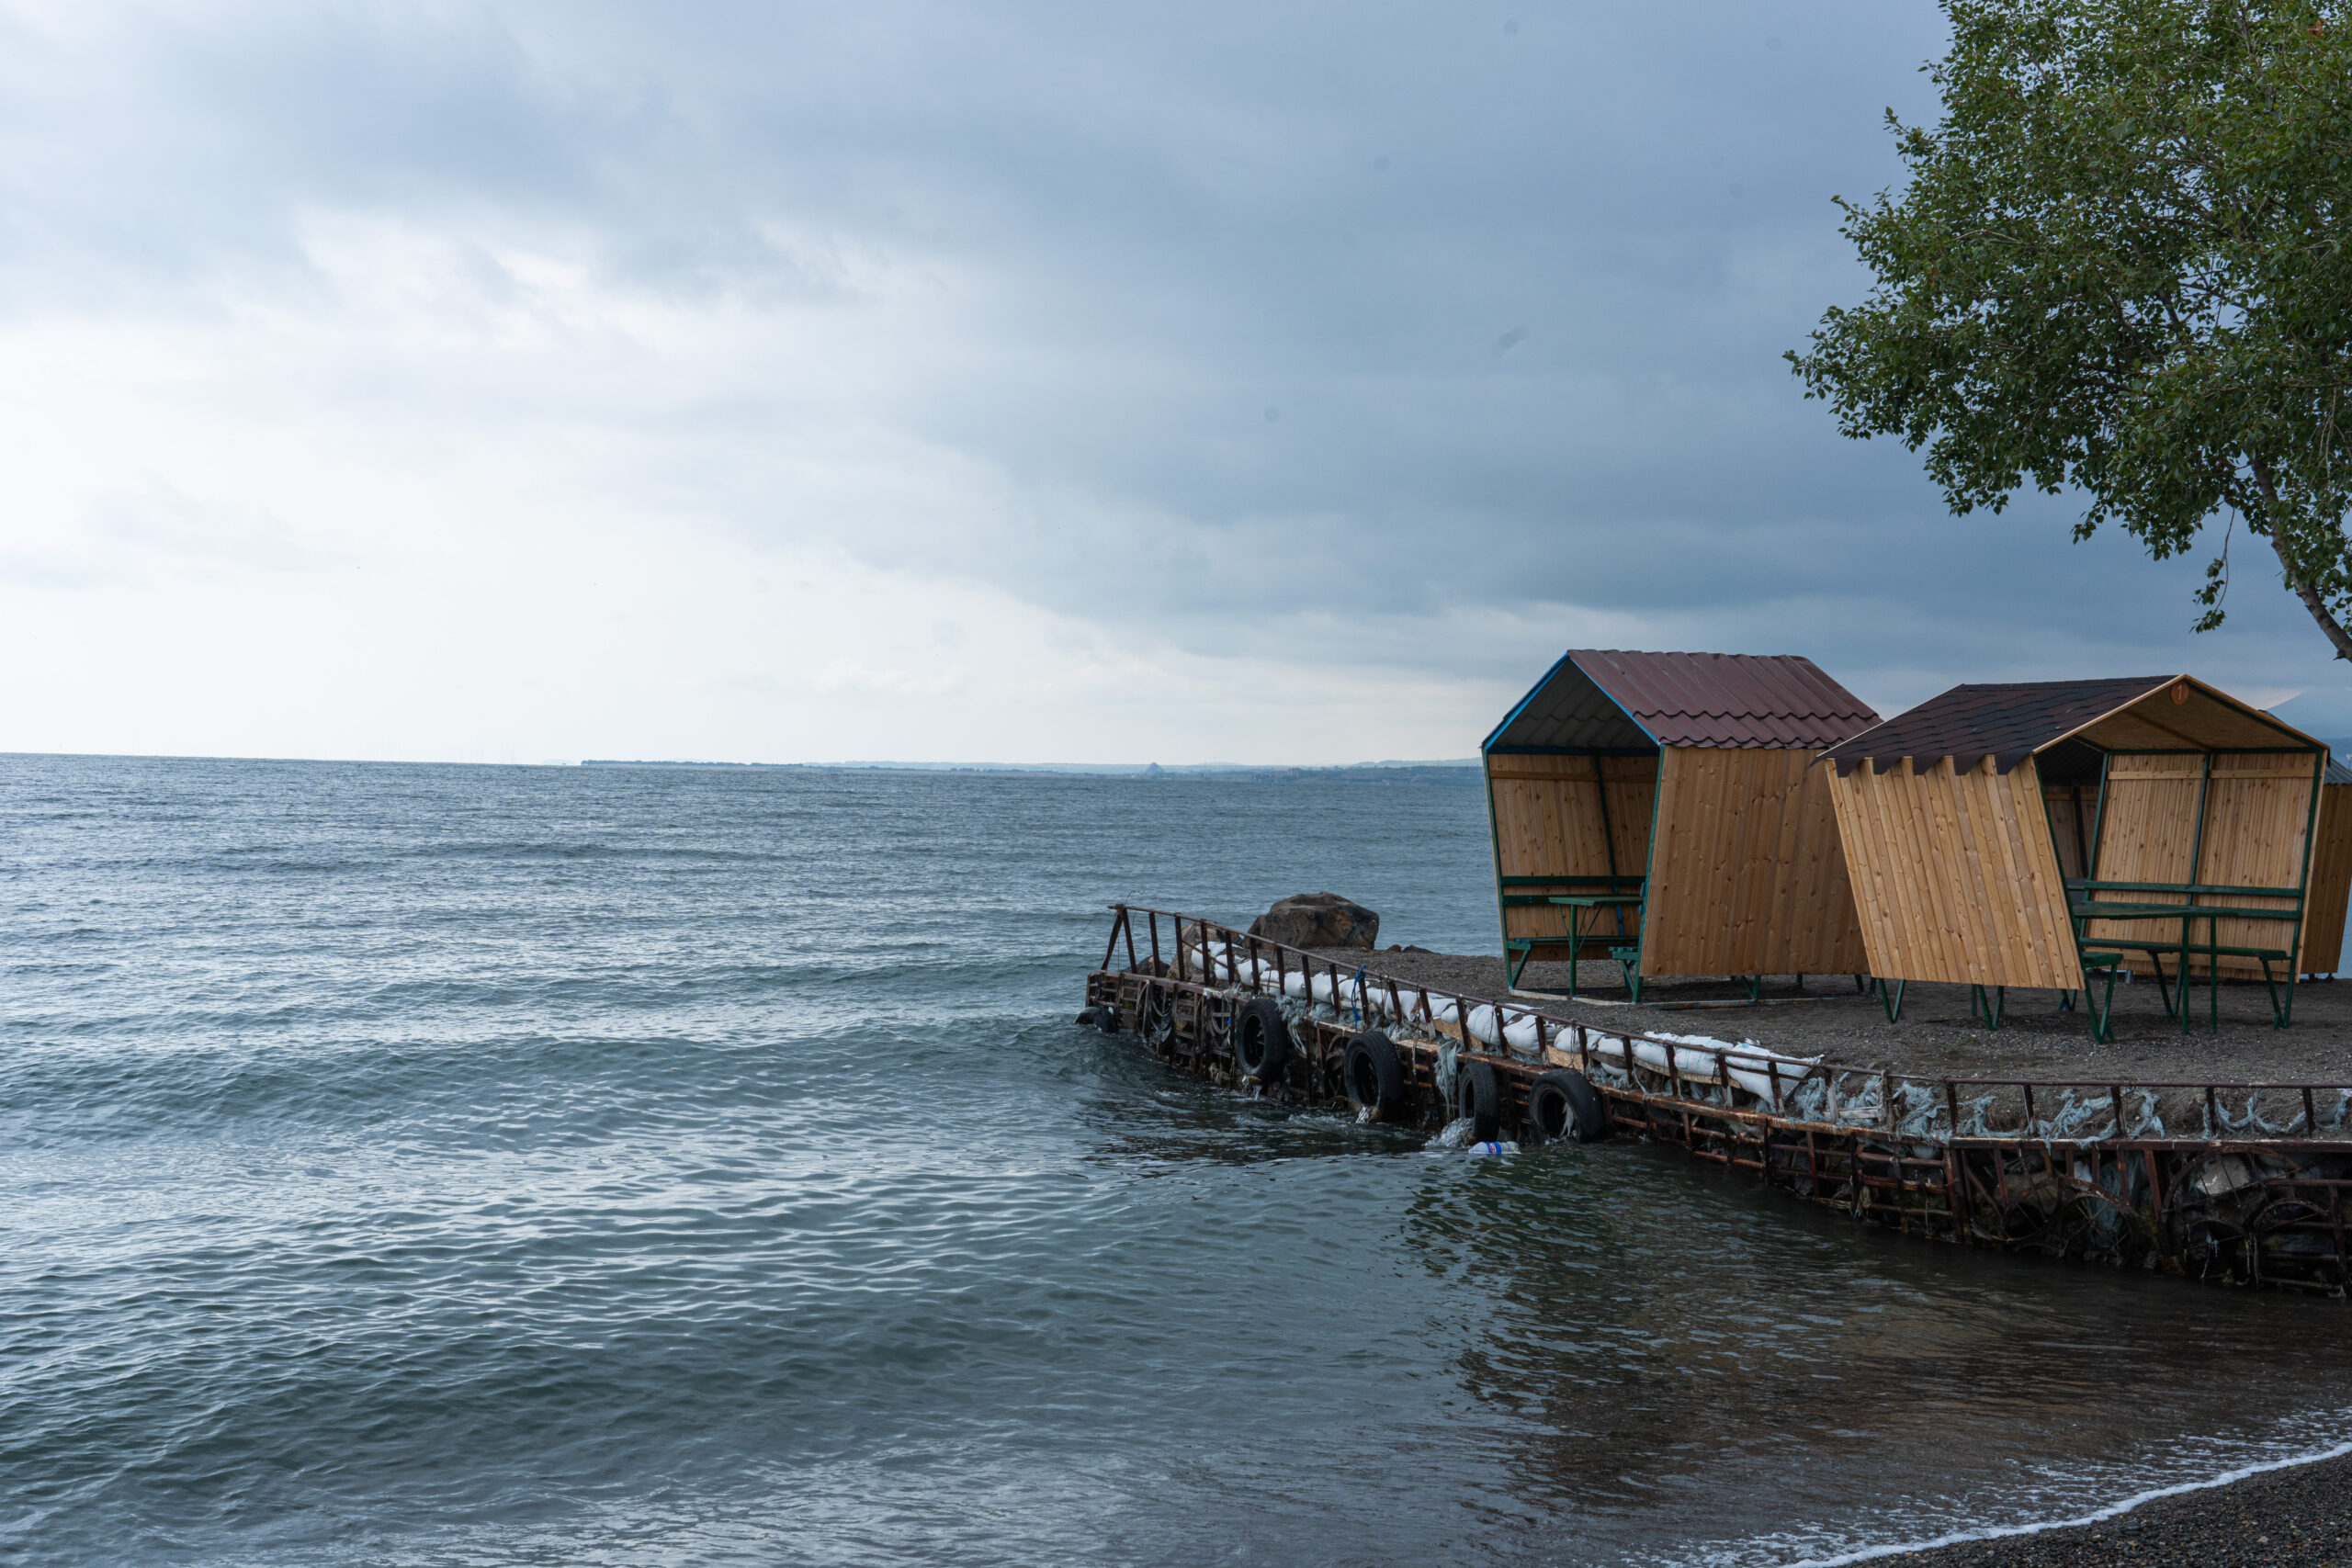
1256,316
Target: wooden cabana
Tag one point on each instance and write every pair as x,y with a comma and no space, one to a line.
1658,810
2039,834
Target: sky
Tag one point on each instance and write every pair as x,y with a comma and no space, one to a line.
1083,383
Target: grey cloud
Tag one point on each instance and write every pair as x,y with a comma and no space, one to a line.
1180,221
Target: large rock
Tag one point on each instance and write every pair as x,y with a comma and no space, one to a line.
1318,920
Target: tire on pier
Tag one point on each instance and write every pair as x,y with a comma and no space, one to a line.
1478,1094
1260,1040
1563,1104
1374,1077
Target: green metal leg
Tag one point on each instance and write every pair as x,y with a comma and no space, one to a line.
2213,973
2101,1005
2066,1000
2164,992
1889,997
1632,966
2103,1020
2186,938
1755,986
2280,1016
1987,1005
1862,986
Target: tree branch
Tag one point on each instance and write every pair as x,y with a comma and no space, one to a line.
2337,637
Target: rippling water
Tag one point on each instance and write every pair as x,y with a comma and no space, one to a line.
478,1164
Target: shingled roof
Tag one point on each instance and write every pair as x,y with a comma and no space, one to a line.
2012,721
1612,699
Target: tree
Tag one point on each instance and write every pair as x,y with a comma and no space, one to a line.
2123,265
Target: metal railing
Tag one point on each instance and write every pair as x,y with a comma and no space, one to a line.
1798,1093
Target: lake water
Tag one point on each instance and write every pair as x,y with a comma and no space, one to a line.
630,1165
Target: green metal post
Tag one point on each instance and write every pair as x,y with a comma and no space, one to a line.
1495,841
2082,852
2302,891
2212,928
1649,865
1608,837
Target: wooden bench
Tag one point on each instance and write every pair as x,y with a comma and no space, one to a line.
2188,913
1583,897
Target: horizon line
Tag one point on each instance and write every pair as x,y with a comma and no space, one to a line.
854,765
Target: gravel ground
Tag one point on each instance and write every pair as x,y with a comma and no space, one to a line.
1936,1038
2300,1515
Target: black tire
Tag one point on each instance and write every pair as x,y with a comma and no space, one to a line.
1478,1094
1260,1040
1106,1018
1375,1077
1563,1104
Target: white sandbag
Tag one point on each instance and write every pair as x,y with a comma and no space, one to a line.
1745,1065
1212,965
1492,1026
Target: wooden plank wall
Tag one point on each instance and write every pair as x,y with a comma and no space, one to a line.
2257,810
2147,828
1953,874
2257,826
1547,823
2331,885
1749,876
2071,807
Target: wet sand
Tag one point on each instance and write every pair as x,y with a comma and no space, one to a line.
2302,1514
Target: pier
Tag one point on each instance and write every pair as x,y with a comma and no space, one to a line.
2239,1182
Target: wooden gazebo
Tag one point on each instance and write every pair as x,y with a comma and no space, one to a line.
1657,810
2039,834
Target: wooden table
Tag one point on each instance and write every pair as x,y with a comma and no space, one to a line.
2187,914
1580,906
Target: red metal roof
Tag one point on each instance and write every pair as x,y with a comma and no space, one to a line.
1685,699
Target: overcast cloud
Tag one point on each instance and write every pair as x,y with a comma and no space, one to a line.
1075,383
